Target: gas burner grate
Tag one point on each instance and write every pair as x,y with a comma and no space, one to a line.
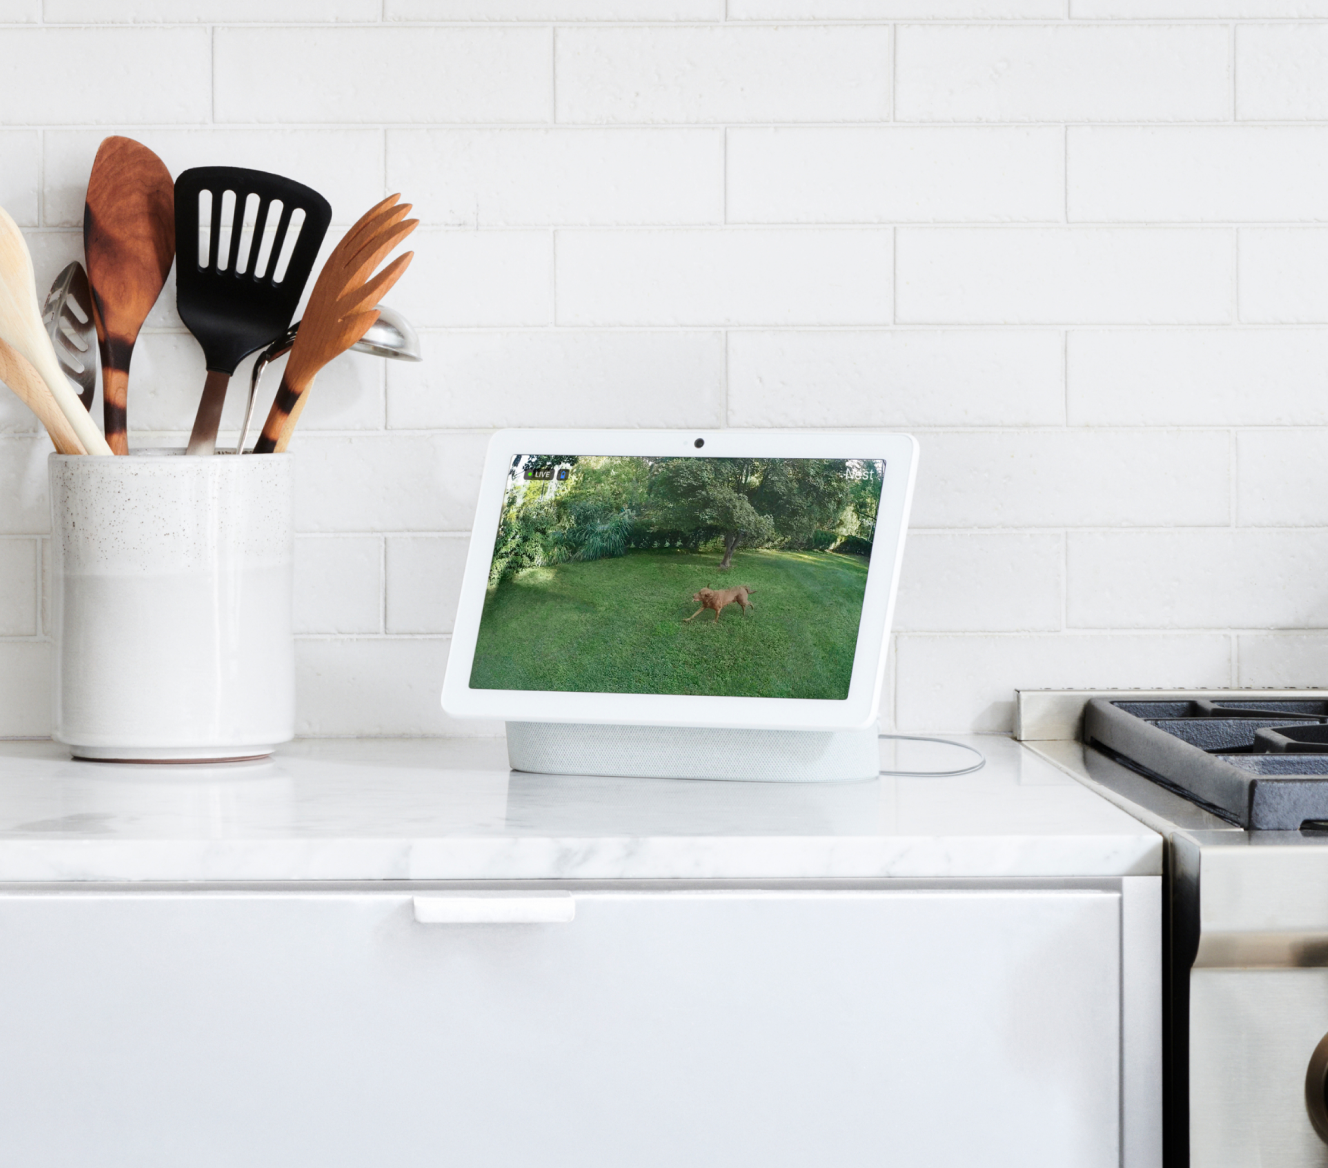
1263,764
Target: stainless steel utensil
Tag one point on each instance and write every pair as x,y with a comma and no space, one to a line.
67,315
391,335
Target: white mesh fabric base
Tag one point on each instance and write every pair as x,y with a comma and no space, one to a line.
674,752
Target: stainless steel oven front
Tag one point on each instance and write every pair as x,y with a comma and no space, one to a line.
1245,950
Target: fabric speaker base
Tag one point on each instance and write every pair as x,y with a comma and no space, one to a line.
694,752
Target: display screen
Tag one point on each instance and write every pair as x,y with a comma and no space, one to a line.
726,577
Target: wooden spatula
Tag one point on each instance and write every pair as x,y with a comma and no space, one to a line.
129,240
16,371
336,316
22,329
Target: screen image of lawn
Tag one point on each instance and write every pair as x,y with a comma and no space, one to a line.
598,560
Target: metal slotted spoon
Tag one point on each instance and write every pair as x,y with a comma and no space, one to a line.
67,315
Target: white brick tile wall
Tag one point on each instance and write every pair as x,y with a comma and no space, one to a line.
206,11
424,581
382,482
1181,579
969,680
1080,275
736,74
554,9
904,174
18,587
1079,245
1281,275
452,74
893,9
178,61
1279,661
20,175
1084,478
896,378
387,686
735,277
15,417
1282,478
999,582
1184,377
339,584
518,178
25,689
1186,174
561,378
44,597
26,510
1281,72
463,279
1059,72
1196,9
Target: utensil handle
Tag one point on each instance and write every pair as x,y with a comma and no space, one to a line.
277,348
555,908
285,411
203,439
114,404
18,373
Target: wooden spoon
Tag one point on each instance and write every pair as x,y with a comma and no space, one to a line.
335,318
16,371
22,329
129,240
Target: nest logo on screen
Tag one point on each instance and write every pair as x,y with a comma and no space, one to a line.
727,577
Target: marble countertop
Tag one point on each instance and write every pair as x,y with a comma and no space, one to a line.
449,809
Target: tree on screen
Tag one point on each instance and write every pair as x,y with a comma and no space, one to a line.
751,502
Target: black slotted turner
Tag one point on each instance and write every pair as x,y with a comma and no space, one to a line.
231,312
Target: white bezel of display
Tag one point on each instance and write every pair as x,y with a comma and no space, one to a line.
859,709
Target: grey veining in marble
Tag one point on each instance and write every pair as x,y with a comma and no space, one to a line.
449,809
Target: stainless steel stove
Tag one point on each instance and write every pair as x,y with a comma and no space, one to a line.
1237,783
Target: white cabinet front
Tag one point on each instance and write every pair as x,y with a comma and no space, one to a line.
518,1030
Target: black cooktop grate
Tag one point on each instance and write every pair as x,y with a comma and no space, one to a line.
1260,764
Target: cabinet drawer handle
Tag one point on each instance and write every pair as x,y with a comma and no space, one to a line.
551,908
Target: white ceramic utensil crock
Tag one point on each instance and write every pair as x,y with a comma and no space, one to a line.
171,598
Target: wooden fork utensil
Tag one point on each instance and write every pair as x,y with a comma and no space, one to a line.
336,317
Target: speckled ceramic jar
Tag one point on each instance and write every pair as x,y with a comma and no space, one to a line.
171,605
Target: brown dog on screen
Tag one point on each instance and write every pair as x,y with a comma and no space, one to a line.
709,598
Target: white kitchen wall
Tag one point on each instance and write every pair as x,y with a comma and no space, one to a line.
1074,245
